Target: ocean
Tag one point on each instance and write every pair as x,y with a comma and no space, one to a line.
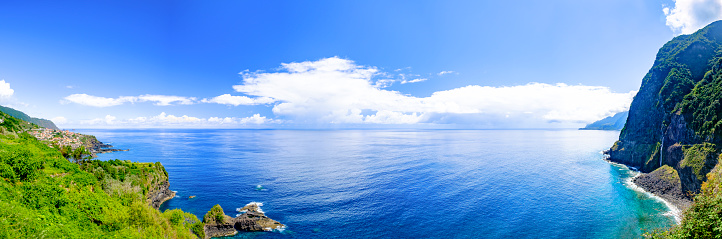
402,183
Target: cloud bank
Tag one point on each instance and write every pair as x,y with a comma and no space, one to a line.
688,16
335,90
166,120
97,101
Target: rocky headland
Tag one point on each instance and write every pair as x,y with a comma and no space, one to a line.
250,219
159,191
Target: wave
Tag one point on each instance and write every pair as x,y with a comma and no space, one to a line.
673,210
257,204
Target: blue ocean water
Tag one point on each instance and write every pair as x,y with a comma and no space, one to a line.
402,183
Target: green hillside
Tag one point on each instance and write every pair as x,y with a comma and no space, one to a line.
22,116
44,195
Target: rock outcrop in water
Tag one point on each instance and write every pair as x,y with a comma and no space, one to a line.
251,219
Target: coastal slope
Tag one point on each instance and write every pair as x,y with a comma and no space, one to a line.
44,195
614,122
22,116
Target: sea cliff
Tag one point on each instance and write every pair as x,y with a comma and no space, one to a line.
674,128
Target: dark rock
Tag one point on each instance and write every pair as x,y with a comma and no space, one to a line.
252,219
219,229
665,183
159,193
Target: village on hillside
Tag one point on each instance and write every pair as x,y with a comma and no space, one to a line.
60,137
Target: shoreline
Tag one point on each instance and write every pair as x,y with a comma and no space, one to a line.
673,210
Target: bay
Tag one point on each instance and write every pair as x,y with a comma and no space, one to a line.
402,183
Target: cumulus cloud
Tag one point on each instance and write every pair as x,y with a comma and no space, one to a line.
5,90
335,90
446,72
688,16
97,101
167,120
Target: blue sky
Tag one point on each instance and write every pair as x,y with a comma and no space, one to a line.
331,64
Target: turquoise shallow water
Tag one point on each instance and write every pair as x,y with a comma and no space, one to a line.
402,184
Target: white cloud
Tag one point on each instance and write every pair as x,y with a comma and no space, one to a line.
228,99
688,16
255,119
165,100
413,81
446,72
335,90
59,120
164,120
5,90
97,101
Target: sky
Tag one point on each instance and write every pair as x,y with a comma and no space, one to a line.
333,64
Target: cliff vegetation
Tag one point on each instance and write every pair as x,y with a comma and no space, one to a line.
43,195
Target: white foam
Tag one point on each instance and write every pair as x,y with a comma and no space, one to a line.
673,210
258,205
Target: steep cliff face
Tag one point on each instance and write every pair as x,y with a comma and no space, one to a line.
657,120
158,187
159,193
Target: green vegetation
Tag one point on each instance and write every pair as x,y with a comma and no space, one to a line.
702,107
668,174
701,158
215,215
43,195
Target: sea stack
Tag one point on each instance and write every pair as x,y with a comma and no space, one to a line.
250,219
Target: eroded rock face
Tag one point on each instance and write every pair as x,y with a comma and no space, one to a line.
160,193
219,229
